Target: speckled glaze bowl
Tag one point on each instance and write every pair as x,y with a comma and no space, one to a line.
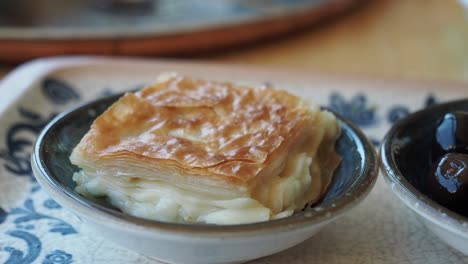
405,159
196,243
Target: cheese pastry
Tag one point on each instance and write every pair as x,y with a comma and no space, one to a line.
191,150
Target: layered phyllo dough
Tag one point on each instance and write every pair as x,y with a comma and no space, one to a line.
191,150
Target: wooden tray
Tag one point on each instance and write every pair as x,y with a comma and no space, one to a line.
31,29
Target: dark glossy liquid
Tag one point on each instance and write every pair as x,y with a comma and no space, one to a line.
451,135
448,182
447,178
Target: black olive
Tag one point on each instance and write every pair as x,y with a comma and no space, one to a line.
448,182
451,135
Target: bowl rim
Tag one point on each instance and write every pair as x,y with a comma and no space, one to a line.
411,196
326,213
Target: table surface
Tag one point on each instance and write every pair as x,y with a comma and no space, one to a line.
420,39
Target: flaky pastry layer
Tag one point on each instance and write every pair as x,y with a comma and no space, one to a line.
213,138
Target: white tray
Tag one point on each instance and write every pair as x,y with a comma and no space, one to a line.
35,229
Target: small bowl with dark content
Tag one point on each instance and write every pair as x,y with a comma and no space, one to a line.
183,241
425,160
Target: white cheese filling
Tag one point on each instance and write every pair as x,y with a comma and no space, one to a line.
160,201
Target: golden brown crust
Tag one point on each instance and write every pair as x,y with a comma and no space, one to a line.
201,128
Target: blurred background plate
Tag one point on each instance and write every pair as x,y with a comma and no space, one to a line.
30,29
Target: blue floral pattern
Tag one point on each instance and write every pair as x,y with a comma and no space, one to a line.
19,139
17,155
3,215
28,213
25,218
34,246
398,112
356,109
58,91
51,204
58,257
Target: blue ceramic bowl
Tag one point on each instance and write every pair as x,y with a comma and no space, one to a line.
405,157
175,242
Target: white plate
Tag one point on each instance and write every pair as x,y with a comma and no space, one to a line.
34,228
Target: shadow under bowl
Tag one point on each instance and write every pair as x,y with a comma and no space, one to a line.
405,160
196,243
